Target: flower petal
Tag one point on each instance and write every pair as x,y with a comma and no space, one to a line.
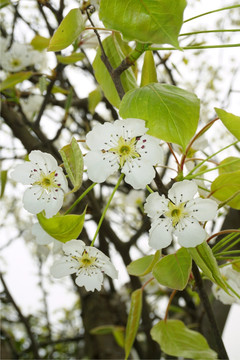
53,203
202,209
160,235
91,282
190,233
100,165
45,161
149,148
138,173
62,268
130,128
42,237
182,191
98,138
22,172
33,200
73,247
156,205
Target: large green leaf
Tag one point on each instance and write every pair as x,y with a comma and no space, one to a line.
40,42
71,59
226,187
232,122
155,21
173,270
69,29
144,265
14,79
62,228
133,320
171,113
73,163
176,339
116,52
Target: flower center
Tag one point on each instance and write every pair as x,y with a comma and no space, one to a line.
85,260
126,150
15,62
47,181
176,212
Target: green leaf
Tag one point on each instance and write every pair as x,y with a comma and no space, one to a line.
171,113
229,165
144,265
115,50
3,182
117,331
71,59
94,99
156,21
133,320
232,122
14,79
206,261
73,163
4,3
149,73
62,227
174,270
226,187
176,339
69,29
40,42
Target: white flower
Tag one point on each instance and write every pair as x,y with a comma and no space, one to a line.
87,262
179,215
47,180
233,279
123,145
31,105
43,238
19,56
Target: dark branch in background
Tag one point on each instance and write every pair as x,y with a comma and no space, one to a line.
163,61
207,307
23,319
50,29
13,25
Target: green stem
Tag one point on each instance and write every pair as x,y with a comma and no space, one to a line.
149,189
194,47
209,157
106,208
208,31
223,242
80,198
211,12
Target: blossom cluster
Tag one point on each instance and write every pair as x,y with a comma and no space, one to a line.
122,146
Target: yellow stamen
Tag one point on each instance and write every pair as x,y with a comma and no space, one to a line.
125,149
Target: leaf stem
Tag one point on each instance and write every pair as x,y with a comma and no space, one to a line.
197,47
106,208
211,12
80,198
169,303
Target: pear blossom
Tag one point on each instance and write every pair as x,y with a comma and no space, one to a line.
31,105
178,216
47,183
123,145
233,279
87,262
43,238
19,56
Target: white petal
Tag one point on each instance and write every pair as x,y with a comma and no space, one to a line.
160,235
53,203
62,268
149,148
91,282
138,173
191,235
33,201
45,161
74,247
182,191
100,166
22,172
61,179
110,270
202,209
156,205
130,128
99,136
42,237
